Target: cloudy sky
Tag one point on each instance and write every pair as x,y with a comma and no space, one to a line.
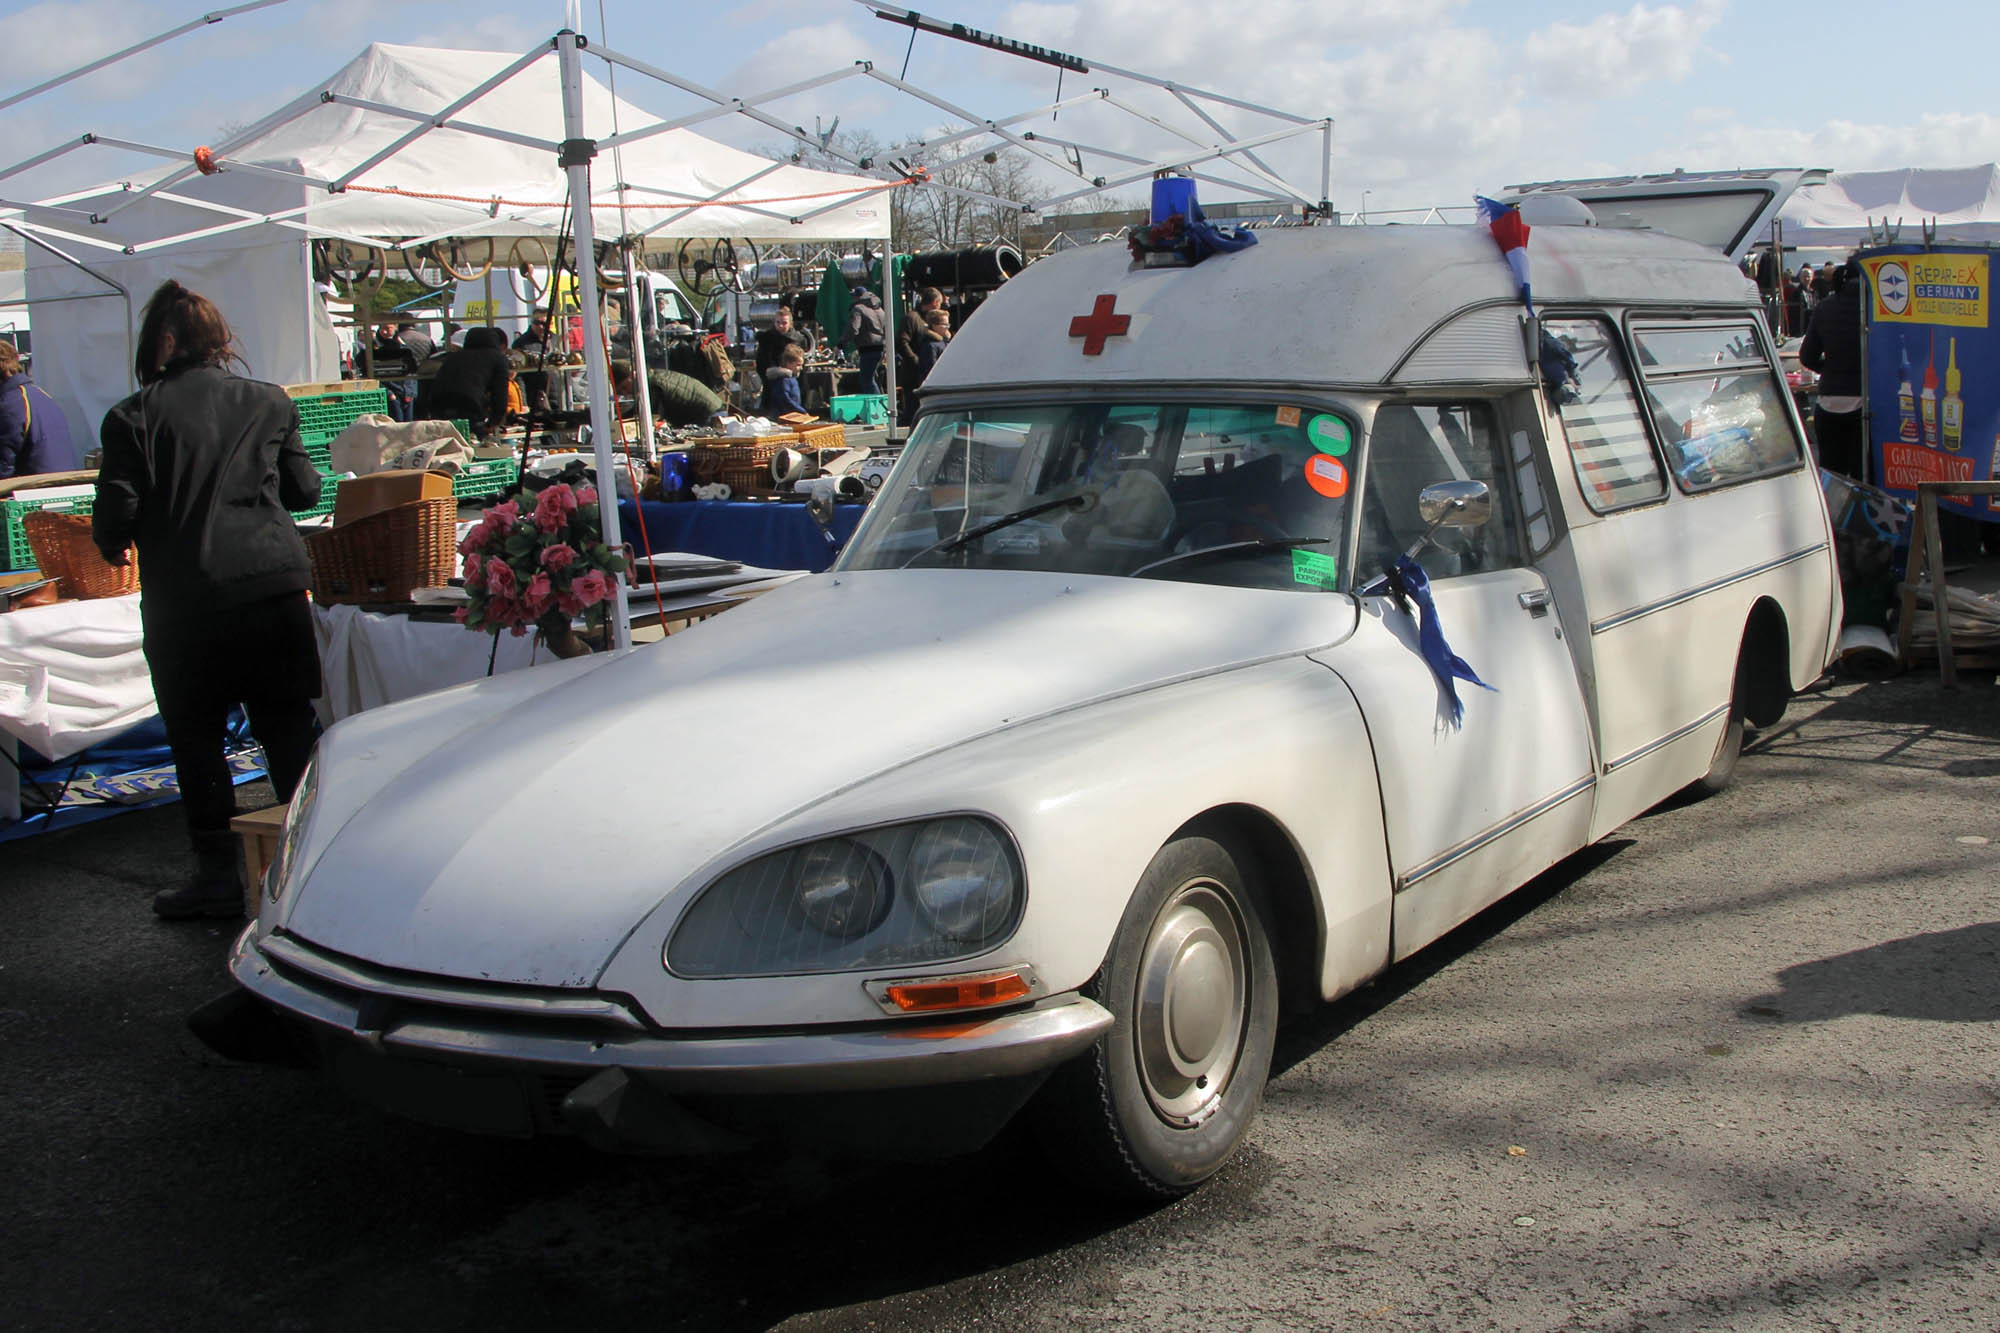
1432,99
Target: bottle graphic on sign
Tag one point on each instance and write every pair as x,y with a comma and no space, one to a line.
1906,405
1927,400
1952,411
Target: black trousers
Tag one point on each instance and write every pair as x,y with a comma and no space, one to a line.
1843,444
205,661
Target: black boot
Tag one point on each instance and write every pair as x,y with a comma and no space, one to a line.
217,887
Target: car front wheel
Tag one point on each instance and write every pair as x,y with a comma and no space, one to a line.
1170,1089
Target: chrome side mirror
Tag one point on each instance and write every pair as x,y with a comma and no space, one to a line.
1455,504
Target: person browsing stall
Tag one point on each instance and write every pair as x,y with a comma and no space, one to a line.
34,434
1832,347
772,342
781,386
866,329
471,383
200,468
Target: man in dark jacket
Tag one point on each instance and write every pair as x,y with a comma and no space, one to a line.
471,383
34,434
867,329
1832,347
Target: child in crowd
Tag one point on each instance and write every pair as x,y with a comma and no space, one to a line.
781,385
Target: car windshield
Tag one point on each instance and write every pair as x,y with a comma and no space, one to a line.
1250,495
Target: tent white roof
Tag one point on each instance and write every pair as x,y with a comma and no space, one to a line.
475,184
1965,201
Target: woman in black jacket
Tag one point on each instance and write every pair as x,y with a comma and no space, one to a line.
200,468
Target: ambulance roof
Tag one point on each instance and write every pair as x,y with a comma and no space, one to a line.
1321,305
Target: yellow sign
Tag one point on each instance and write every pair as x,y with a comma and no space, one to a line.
1931,289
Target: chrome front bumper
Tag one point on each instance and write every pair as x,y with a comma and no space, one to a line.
440,1021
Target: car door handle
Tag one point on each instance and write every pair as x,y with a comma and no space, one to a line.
1535,602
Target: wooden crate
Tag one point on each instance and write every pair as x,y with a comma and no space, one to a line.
259,832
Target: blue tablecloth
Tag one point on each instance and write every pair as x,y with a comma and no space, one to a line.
771,535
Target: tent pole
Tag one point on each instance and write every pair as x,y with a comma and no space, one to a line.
892,321
635,324
577,150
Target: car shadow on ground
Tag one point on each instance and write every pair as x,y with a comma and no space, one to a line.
1310,1033
1947,976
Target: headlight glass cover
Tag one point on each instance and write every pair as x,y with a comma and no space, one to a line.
285,860
907,894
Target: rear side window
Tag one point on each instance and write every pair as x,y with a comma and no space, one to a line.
1718,405
1601,419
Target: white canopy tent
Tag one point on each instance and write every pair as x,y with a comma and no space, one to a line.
240,236
411,146
1855,207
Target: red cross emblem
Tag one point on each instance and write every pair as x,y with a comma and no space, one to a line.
1098,325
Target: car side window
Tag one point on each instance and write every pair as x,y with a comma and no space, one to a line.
1716,401
1608,444
1414,445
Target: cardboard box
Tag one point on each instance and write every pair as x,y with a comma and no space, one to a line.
358,497
260,832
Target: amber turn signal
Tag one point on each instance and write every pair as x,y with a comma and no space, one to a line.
924,997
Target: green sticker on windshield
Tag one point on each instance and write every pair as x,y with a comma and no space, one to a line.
1330,435
1315,570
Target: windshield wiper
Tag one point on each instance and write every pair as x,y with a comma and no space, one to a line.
1230,550
1081,501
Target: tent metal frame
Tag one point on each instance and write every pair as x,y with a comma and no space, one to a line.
50,221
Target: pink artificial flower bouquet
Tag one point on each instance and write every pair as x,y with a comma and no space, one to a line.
541,569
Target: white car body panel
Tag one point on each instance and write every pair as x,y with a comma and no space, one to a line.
1472,809
536,880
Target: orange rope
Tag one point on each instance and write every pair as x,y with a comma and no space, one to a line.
917,178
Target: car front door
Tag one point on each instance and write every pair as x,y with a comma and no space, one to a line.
1471,808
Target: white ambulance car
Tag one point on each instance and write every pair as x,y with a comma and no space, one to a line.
1153,752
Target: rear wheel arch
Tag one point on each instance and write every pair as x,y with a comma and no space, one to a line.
1764,666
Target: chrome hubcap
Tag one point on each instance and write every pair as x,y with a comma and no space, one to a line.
1193,1001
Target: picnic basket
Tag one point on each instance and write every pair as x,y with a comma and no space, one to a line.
386,556
64,551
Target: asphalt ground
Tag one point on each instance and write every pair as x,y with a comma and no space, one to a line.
1733,1068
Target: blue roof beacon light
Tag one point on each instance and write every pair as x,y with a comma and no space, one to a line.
1176,234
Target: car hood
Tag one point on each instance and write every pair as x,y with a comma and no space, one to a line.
524,846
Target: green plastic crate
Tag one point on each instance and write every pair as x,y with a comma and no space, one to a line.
20,555
327,414
486,477
867,409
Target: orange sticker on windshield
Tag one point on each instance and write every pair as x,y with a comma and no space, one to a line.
1327,475
1288,416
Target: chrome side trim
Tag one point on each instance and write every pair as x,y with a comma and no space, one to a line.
1687,595
289,952
1504,827
1667,739
949,1049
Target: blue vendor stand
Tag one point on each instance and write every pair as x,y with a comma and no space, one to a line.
769,535
1933,370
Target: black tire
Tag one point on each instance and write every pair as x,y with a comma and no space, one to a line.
1728,749
1157,1105
1722,768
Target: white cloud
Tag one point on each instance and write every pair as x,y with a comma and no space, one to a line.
1940,139
1620,53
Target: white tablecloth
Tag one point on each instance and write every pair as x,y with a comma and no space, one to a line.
73,675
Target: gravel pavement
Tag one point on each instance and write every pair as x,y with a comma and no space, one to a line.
1733,1068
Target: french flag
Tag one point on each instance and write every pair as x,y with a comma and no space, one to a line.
1511,234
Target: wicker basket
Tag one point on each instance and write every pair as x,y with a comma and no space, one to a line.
386,556
63,550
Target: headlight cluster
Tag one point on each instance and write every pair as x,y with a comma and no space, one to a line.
296,818
888,897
